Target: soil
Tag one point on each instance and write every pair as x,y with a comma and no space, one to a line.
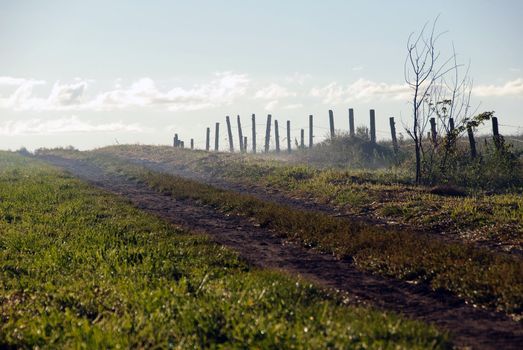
469,327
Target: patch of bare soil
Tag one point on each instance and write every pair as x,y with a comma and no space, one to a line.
470,327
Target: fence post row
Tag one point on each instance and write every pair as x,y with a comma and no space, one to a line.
240,134
229,133
208,139
331,123
393,134
277,136
351,122
311,135
433,132
372,126
253,134
288,136
217,137
268,133
472,143
495,132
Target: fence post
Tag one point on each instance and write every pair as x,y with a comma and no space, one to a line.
240,134
192,143
229,132
331,123
495,132
393,134
311,135
245,144
351,122
217,137
277,136
253,134
472,143
302,141
288,136
372,126
208,139
175,142
451,124
433,132
181,144
268,133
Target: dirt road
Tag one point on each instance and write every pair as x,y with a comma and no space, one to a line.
470,326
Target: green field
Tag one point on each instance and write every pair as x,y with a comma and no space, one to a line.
382,194
84,269
478,275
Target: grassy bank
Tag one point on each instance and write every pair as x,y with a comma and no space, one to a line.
478,275
82,268
382,194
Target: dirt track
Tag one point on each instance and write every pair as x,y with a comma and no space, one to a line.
261,247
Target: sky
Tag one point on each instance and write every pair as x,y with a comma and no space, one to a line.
95,73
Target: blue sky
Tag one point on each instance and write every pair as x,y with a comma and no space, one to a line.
88,73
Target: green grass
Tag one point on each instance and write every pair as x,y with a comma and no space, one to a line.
497,217
80,268
477,275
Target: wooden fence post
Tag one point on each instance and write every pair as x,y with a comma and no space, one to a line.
372,126
268,134
472,143
433,132
311,128
451,124
208,139
240,134
351,122
288,136
277,136
192,143
393,134
331,123
175,141
253,134
495,132
229,132
217,137
245,144
302,137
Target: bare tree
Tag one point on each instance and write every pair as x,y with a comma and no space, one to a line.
435,91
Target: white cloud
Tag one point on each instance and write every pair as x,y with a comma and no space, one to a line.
61,97
271,105
62,126
223,89
273,92
11,81
293,106
298,78
510,88
361,89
